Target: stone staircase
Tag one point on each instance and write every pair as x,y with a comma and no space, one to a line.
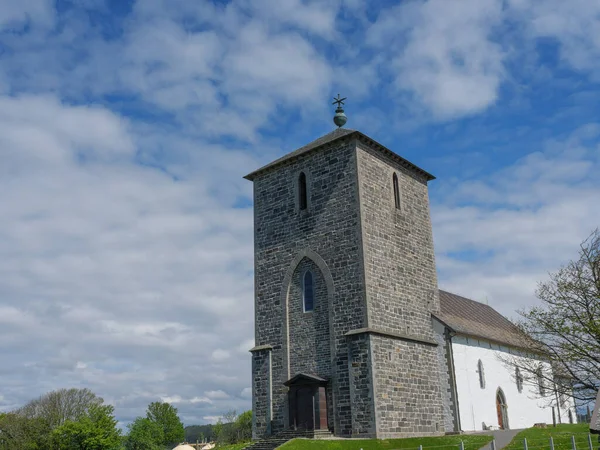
278,439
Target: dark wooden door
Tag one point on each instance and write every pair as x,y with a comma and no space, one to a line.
501,410
305,408
500,415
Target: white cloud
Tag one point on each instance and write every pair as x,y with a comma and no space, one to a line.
220,354
575,25
246,392
499,236
443,53
105,258
217,395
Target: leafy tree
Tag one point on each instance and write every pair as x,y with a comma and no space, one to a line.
97,430
23,433
58,407
243,426
566,330
218,431
166,416
144,434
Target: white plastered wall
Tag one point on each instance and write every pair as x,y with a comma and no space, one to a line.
478,406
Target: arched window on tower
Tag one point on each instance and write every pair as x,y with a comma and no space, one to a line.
519,379
302,191
396,191
308,291
481,374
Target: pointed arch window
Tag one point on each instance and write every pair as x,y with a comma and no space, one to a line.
540,381
308,291
302,191
519,379
481,374
397,203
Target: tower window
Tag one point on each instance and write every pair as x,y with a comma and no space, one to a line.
308,291
396,191
481,374
302,191
519,379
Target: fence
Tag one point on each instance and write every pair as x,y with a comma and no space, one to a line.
581,441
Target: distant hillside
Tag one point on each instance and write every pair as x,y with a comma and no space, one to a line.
195,433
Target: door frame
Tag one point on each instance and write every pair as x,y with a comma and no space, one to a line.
502,409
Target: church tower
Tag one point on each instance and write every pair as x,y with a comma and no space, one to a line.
345,284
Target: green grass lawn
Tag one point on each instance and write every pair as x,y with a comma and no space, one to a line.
239,446
539,438
472,442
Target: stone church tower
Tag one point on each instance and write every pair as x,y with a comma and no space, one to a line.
345,284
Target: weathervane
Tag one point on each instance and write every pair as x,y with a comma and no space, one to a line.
340,118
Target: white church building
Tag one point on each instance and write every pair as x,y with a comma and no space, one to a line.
484,392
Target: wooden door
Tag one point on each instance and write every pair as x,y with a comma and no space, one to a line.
500,415
501,410
305,408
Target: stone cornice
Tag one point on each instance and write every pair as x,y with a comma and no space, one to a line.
259,348
400,336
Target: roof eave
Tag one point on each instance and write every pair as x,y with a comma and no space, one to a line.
364,138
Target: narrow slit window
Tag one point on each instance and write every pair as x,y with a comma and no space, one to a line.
540,381
519,379
396,191
481,374
302,193
308,292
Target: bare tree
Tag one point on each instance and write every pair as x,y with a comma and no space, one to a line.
566,331
59,406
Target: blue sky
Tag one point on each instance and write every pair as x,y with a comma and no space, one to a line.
126,127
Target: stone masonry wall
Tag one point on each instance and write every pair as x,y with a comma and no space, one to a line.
401,289
407,394
361,387
309,331
399,260
309,338
330,228
260,388
445,369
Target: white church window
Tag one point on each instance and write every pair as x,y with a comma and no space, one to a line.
302,191
519,380
481,374
396,191
308,291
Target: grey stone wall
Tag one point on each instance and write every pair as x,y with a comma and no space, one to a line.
399,259
309,338
309,341
366,253
407,393
446,377
261,392
401,290
361,386
330,229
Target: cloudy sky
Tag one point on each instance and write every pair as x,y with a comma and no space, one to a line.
126,127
